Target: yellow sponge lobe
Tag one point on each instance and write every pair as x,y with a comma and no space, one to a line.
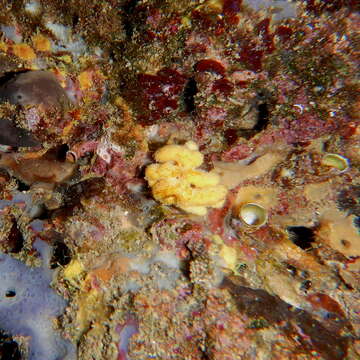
176,181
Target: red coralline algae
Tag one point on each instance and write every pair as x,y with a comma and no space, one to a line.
319,7
284,32
210,65
230,9
266,37
160,93
237,152
307,126
223,87
251,56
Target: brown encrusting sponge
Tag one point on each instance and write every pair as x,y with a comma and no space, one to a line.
183,178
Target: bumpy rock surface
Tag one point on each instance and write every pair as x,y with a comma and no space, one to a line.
268,95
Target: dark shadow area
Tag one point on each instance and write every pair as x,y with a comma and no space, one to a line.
22,186
61,255
263,117
9,349
190,91
15,238
61,152
128,19
301,236
8,76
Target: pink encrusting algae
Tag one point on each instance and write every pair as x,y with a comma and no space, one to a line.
129,328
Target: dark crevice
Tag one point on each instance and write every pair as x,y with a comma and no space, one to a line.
87,189
190,91
61,255
9,349
21,186
246,133
8,76
75,20
128,19
58,153
231,135
301,236
185,268
357,222
72,195
61,152
263,117
291,269
306,285
45,214
15,238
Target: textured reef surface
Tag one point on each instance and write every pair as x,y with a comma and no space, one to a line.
179,180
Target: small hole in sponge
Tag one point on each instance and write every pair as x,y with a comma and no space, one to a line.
301,236
10,293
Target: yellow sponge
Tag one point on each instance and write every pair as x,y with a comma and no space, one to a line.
176,181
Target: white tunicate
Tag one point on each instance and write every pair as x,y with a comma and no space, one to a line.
168,258
283,8
142,266
33,7
61,32
11,33
67,41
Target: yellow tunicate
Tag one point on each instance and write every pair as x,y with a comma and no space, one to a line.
176,181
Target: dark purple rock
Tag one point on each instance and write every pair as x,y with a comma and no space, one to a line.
34,88
12,135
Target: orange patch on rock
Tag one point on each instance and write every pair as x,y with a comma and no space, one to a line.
111,268
23,51
85,80
41,43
